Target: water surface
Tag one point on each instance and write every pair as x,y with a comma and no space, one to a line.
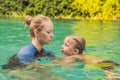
103,41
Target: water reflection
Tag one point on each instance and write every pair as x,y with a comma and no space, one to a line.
102,37
102,41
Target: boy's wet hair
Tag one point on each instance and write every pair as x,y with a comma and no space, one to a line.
79,46
80,42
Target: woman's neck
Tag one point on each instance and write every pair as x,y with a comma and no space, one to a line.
37,44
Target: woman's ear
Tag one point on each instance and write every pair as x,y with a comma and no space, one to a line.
76,51
35,31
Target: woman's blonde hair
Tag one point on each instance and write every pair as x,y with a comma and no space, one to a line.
35,23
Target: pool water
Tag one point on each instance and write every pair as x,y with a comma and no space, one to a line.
103,41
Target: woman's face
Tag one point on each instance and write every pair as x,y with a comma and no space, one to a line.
68,47
46,34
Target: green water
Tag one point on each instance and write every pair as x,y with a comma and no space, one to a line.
103,38
103,41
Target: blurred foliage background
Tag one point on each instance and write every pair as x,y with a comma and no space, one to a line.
70,9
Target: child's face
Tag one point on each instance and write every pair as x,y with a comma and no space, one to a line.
68,47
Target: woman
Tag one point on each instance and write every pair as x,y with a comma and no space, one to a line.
41,31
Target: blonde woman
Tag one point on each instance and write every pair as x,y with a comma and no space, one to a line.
41,31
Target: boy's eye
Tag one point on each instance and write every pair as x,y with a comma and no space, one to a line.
66,45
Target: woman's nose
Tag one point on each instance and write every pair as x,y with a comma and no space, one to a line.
52,35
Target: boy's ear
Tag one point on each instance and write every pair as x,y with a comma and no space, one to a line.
76,51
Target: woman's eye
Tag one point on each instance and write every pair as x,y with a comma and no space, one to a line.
48,32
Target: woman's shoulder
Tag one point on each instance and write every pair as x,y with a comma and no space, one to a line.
28,49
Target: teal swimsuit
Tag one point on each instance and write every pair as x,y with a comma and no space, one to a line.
29,54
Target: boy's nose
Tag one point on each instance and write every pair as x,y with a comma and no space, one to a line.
62,46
